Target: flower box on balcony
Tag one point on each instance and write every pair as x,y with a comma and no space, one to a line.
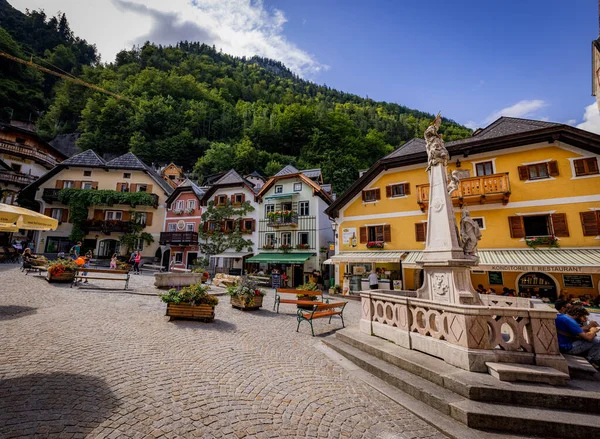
375,244
285,248
268,247
549,241
302,246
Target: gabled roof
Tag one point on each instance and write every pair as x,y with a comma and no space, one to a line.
287,170
87,158
506,132
255,174
127,161
186,186
317,189
230,179
313,174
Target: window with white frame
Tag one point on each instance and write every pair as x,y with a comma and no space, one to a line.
142,188
178,257
303,208
140,217
189,227
269,238
279,189
191,204
140,244
179,205
297,187
480,222
286,238
269,208
303,238
171,227
86,185
67,184
113,215
57,214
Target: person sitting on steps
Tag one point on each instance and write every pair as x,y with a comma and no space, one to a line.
574,339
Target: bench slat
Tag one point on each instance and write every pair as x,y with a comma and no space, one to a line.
100,278
100,270
294,291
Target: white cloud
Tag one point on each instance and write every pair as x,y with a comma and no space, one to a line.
522,108
571,122
238,27
472,124
591,119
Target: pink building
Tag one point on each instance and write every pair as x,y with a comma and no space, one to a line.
180,236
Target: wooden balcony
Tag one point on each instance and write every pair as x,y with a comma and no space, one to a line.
473,190
28,152
50,195
289,220
178,238
17,178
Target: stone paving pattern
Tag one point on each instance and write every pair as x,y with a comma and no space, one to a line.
79,363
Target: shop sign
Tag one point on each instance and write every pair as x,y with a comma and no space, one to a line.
541,268
578,280
347,235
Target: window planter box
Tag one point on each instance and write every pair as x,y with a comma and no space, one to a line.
549,241
375,244
193,312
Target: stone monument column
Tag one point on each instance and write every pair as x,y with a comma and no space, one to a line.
447,270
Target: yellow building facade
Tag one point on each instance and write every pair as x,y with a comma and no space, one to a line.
524,182
105,224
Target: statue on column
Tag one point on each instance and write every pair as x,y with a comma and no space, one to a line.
436,151
454,178
469,233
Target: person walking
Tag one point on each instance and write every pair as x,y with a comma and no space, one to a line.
113,262
373,281
136,262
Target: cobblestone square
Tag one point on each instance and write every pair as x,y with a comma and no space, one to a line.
101,364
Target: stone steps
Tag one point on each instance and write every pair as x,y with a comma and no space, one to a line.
527,372
475,399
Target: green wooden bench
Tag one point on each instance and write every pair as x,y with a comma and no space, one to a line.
319,311
121,275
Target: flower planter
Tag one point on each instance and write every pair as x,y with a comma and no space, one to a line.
236,302
67,276
192,312
169,280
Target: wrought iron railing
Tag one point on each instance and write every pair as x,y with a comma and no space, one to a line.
178,238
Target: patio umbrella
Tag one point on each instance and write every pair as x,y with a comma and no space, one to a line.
13,218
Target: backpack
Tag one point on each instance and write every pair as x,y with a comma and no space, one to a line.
72,251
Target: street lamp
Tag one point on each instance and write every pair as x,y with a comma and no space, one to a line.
334,227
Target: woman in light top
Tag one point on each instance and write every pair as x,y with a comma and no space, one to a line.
373,281
113,262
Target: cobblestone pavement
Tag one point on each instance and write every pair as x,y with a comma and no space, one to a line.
79,363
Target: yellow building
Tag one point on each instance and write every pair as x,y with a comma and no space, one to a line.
105,223
532,186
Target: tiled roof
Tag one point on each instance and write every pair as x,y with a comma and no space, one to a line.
127,161
256,175
326,188
86,158
289,169
230,177
413,146
312,173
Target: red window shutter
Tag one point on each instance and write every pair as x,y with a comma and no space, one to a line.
243,198
421,232
65,215
377,194
559,223
363,235
387,233
388,191
253,225
553,168
590,223
516,226
48,211
363,195
148,219
233,199
216,199
406,189
523,173
60,184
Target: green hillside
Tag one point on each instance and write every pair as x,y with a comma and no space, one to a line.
201,108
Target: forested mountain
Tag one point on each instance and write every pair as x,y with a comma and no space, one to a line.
193,104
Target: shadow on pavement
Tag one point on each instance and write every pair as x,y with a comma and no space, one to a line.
9,312
215,325
48,404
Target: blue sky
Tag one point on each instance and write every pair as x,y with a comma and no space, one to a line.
472,60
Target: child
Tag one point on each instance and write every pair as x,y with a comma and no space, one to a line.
113,262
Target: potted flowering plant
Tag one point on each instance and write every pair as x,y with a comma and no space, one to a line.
245,294
268,247
61,270
550,241
309,286
177,211
189,210
192,302
375,244
302,246
285,248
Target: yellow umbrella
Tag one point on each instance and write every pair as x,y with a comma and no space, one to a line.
13,217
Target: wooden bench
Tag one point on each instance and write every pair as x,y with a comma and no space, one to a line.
319,311
264,281
123,275
153,267
295,292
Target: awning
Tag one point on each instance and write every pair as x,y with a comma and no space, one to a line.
328,261
231,255
272,197
371,256
280,258
557,260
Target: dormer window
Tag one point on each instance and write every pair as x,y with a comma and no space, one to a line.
297,187
87,173
126,174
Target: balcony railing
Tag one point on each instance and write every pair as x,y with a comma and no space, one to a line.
16,178
283,220
473,190
178,238
50,195
106,226
27,151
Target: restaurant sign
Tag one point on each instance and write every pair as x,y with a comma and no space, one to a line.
540,268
